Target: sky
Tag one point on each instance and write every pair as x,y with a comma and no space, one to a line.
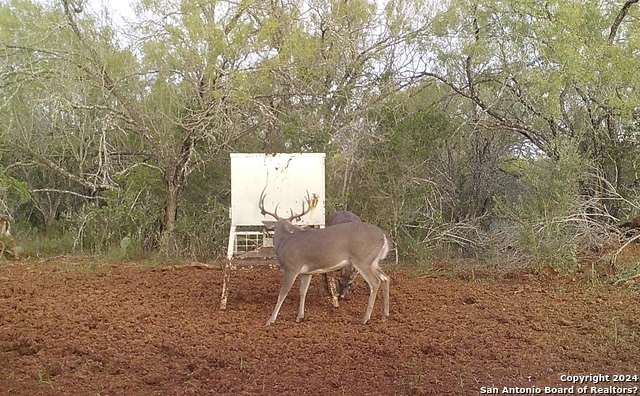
118,8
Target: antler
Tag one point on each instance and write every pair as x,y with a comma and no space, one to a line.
263,211
311,201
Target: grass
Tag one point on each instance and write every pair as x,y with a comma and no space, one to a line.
45,379
243,365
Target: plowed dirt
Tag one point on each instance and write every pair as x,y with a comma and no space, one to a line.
73,327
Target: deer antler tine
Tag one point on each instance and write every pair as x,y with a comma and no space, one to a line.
296,216
312,202
263,211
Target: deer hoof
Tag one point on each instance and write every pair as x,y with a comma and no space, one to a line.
299,319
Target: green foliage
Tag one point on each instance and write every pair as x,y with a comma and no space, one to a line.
629,274
396,173
548,199
546,70
35,244
130,215
203,232
13,192
412,129
125,243
202,227
446,125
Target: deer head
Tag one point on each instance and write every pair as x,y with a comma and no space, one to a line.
284,225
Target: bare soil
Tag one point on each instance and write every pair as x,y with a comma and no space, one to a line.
76,327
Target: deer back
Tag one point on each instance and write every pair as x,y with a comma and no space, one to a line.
327,247
342,216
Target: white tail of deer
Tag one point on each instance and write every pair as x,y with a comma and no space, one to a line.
317,251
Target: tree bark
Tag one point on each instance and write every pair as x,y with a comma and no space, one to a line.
174,185
167,238
623,13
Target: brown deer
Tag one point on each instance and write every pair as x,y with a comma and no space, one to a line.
5,227
318,251
348,274
5,231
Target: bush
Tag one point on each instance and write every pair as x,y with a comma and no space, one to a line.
538,224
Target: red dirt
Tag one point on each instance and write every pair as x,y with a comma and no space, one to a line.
78,328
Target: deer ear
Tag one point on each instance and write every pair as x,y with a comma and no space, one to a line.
270,225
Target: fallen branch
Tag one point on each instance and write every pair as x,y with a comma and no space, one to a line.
193,264
614,257
625,280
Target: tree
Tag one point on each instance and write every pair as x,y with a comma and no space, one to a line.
97,113
550,72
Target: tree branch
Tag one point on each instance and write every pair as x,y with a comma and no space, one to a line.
102,73
68,192
623,13
63,172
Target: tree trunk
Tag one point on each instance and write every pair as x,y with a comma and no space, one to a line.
174,185
168,245
53,213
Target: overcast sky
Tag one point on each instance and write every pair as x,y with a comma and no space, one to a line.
119,8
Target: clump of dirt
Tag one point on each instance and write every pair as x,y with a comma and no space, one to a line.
72,327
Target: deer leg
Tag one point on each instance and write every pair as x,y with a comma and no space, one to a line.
325,280
374,276
385,293
287,282
374,283
305,280
332,289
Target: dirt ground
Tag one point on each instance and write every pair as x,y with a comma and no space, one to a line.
75,327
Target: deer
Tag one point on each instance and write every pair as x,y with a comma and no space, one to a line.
346,278
5,227
5,231
305,252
